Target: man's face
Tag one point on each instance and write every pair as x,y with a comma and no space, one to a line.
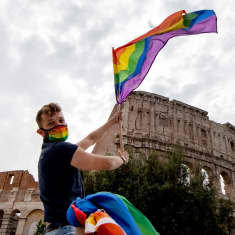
48,122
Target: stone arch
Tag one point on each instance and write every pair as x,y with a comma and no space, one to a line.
224,183
189,165
206,180
210,174
186,166
13,221
138,121
32,218
232,145
1,217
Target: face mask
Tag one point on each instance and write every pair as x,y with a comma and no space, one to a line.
57,133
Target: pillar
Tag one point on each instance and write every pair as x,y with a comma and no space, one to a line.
20,226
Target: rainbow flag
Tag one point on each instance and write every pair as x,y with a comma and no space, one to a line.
132,61
101,223
124,214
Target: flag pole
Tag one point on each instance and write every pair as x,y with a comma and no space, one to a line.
119,107
120,128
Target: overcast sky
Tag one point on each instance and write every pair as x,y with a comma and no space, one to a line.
60,51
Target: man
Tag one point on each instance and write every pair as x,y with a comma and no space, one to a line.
60,181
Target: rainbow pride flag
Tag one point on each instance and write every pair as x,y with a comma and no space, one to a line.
101,223
132,61
124,214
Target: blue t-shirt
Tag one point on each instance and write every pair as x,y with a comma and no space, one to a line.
59,182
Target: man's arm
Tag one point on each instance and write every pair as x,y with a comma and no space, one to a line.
89,161
94,136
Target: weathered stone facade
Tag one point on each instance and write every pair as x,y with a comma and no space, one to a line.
154,123
20,206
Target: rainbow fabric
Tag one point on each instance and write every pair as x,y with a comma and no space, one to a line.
58,133
132,61
129,218
101,223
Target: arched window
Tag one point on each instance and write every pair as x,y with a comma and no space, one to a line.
222,184
203,133
232,146
14,218
32,220
11,179
185,174
1,217
206,178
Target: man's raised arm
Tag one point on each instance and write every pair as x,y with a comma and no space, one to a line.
94,136
88,161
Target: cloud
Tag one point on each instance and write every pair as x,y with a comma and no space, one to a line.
60,51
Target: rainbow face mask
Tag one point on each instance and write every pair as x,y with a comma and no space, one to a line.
57,133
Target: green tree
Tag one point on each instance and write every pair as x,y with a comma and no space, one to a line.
41,226
160,189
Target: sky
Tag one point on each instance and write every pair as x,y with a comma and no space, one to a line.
60,51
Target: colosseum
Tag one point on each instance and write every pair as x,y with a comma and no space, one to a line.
154,123
150,123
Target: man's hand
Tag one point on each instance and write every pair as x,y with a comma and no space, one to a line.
124,156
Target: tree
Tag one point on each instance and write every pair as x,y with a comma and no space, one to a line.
160,189
40,228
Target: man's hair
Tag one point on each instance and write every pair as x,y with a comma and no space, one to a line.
48,109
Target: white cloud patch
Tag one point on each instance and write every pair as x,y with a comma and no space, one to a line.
60,51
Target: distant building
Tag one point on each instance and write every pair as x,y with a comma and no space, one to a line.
20,206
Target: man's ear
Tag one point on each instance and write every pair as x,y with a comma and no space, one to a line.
41,132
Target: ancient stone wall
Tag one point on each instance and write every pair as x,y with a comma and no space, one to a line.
152,122
20,206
